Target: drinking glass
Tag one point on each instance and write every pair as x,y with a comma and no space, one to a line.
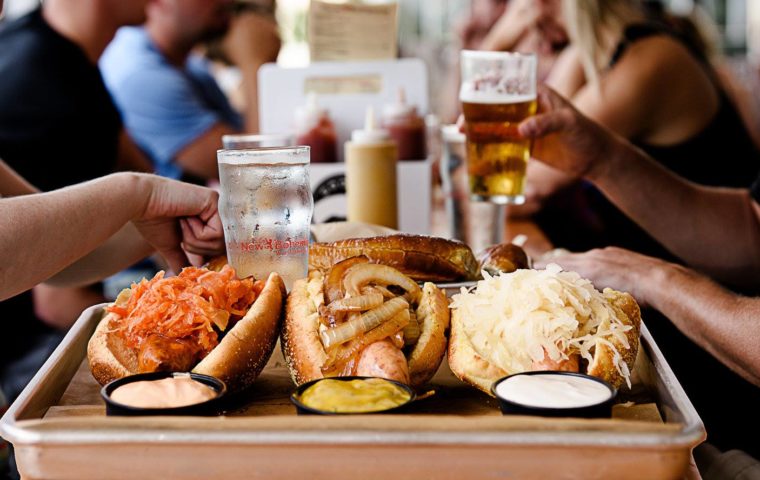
259,140
498,92
266,205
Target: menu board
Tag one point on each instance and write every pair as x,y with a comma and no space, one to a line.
352,31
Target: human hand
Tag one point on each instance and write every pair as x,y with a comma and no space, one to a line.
518,18
252,39
550,23
178,219
567,140
616,268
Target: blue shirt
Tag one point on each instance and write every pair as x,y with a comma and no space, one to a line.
164,107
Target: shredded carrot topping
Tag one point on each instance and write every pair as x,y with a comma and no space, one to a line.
186,306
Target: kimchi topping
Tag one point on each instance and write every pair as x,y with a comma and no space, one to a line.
189,306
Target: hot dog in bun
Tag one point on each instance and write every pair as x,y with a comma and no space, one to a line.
542,320
367,319
201,320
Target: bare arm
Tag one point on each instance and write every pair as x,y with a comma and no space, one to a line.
567,76
715,230
518,18
199,156
13,184
131,158
721,322
55,229
621,101
60,307
123,249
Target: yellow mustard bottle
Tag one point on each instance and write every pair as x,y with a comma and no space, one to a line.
371,175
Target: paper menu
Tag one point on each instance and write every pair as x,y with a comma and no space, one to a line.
352,31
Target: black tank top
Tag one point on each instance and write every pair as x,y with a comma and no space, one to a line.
722,154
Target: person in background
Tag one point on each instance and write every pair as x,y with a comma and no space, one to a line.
715,230
170,102
648,78
58,126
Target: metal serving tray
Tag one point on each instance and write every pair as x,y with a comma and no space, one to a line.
59,431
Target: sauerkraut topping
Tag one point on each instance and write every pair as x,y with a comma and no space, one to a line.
516,319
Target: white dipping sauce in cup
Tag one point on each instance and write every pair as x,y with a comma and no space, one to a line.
553,391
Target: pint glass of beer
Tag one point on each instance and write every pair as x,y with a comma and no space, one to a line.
498,92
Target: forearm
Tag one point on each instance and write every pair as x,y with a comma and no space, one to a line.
723,323
567,76
131,158
546,181
503,37
12,184
713,230
60,307
41,234
123,249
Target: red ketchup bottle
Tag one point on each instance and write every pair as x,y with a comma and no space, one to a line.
406,127
315,129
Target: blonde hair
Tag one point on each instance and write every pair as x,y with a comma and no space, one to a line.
595,26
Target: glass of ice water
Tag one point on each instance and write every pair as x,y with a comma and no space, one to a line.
266,205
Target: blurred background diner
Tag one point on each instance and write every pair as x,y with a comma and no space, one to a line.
89,88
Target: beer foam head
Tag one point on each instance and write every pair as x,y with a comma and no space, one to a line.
497,77
468,93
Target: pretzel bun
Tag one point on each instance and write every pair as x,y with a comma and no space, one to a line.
305,354
506,257
478,363
237,360
420,257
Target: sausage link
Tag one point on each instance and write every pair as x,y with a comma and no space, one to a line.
383,359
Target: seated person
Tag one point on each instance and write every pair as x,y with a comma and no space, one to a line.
709,335
647,78
58,126
171,104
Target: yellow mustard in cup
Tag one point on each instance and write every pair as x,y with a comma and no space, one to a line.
354,396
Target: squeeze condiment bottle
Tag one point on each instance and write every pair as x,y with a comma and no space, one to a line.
315,129
371,175
406,127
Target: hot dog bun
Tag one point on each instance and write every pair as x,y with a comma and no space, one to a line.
304,351
506,257
420,257
474,359
237,360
